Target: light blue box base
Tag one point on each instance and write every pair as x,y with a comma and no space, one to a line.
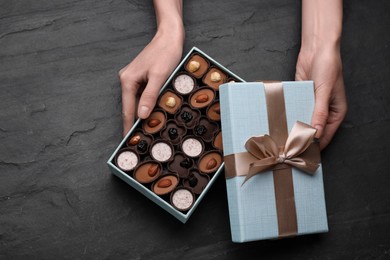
148,193
252,207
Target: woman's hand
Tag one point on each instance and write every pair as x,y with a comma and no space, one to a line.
142,79
319,60
325,69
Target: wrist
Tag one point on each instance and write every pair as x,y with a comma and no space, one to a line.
321,24
172,31
169,18
320,42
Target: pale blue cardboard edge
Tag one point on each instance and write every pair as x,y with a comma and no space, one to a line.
252,206
148,193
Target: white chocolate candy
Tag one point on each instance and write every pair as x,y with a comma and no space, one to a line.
127,160
182,199
184,84
192,147
161,152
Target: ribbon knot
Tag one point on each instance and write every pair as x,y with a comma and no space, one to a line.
281,158
269,155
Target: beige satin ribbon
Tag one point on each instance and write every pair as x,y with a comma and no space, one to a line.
278,152
263,154
268,154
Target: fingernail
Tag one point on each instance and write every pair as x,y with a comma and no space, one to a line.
319,130
143,112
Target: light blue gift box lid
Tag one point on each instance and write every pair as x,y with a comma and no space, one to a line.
252,207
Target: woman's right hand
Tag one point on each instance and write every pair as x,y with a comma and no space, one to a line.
142,78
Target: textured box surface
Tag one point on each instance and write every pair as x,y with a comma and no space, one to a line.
183,217
252,206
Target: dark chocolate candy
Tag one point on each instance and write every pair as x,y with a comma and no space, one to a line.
206,129
187,116
200,130
180,164
196,186
172,132
142,146
186,163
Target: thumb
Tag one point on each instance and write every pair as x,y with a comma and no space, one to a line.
320,115
149,97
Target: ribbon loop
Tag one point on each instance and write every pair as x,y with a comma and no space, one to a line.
266,151
299,139
262,147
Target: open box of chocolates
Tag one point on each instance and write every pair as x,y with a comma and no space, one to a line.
175,155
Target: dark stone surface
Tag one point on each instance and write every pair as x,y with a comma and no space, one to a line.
60,119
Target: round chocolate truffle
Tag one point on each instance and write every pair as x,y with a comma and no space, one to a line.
165,184
161,151
173,132
218,141
214,112
181,164
196,182
170,102
192,147
147,172
210,162
154,122
127,160
214,78
184,84
202,97
182,199
197,65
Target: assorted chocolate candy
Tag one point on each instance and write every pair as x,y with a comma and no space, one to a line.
177,150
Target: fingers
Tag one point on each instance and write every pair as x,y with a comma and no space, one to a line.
328,134
122,70
337,112
129,92
320,114
130,87
149,96
299,74
334,121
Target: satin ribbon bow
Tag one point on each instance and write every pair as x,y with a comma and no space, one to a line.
270,155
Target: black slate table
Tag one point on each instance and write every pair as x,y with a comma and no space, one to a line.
60,119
